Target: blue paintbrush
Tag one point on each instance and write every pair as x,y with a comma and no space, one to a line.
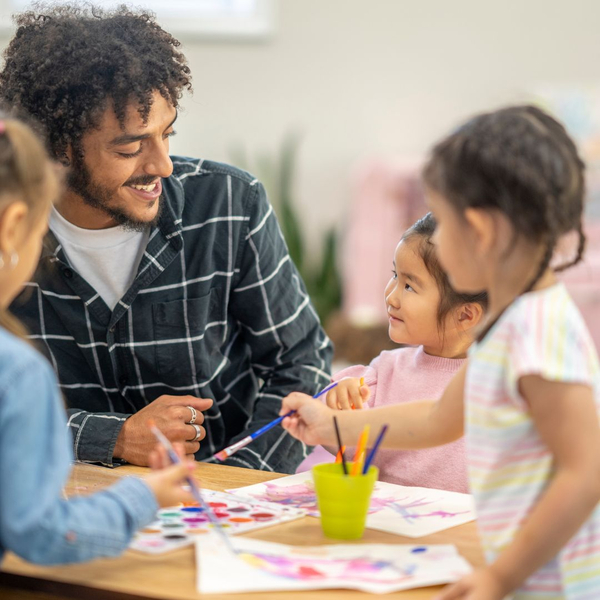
227,452
376,445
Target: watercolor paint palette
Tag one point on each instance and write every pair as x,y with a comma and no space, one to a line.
179,526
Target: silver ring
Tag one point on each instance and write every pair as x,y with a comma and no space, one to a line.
198,432
194,415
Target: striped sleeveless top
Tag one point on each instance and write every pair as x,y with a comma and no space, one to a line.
541,333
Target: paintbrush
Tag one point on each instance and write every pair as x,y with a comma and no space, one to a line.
174,457
227,452
376,445
341,446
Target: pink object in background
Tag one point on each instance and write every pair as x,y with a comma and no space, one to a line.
387,199
583,281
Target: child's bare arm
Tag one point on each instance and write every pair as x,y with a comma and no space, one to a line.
566,418
410,426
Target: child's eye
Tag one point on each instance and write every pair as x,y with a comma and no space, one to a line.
169,134
394,274
408,287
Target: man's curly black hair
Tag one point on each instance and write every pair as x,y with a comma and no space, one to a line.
66,63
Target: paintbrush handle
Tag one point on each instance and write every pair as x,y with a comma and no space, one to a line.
227,452
230,450
270,425
234,448
326,389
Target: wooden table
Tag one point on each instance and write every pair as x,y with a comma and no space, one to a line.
172,576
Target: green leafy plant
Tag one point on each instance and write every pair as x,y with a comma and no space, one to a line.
320,274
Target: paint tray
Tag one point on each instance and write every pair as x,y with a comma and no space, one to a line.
179,526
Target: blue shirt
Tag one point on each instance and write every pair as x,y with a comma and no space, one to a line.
35,460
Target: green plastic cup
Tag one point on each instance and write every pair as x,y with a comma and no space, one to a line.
343,499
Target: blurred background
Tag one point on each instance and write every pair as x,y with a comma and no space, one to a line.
334,104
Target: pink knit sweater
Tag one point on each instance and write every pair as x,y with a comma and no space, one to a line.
405,375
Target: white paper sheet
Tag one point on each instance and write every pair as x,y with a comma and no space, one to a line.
376,568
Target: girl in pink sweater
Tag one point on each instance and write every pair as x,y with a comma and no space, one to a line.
425,313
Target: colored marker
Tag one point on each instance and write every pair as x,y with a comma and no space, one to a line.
359,457
164,441
230,450
376,445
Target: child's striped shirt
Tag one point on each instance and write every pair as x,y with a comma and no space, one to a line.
510,467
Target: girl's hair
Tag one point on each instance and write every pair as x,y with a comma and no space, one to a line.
521,162
27,175
422,232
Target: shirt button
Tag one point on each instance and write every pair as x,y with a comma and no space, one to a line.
68,273
112,330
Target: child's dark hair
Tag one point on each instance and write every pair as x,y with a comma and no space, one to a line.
521,162
422,232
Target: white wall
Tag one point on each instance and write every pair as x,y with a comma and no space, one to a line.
369,77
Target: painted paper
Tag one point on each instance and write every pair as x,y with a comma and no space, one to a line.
375,568
408,511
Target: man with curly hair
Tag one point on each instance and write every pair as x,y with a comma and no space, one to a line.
164,289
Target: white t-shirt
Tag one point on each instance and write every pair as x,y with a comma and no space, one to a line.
106,258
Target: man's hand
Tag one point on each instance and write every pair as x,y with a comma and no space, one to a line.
171,415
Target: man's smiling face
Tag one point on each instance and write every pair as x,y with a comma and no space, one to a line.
119,177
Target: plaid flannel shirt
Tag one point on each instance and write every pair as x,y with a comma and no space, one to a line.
217,310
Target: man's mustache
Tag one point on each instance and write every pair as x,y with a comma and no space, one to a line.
142,180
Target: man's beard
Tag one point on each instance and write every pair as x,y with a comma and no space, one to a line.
79,180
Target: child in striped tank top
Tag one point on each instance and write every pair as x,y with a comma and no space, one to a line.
505,188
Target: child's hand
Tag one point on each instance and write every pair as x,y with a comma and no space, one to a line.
312,423
482,584
347,394
167,479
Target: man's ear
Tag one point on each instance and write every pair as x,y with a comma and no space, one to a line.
12,221
469,315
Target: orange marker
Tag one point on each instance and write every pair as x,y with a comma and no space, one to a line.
360,384
361,448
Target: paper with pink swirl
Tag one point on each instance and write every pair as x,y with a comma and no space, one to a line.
408,511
